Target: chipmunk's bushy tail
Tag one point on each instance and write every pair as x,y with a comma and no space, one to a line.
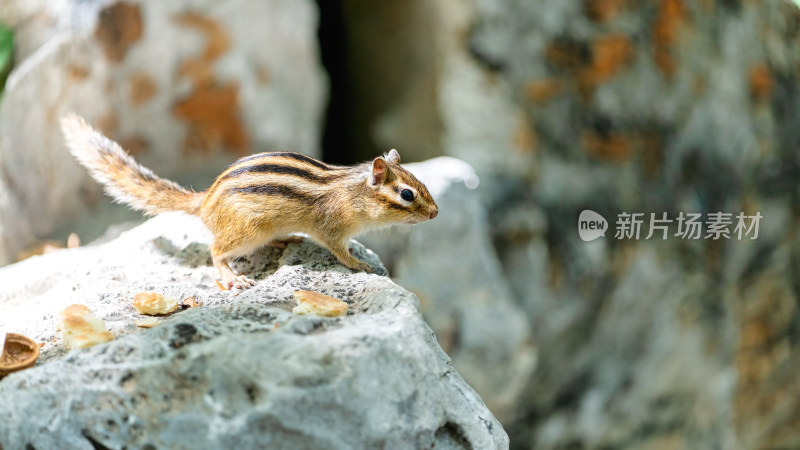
125,179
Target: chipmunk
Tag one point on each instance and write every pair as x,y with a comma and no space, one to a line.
262,198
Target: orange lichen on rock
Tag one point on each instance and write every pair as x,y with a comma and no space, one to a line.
765,383
212,113
590,63
671,15
108,123
652,155
567,55
610,53
612,147
142,88
544,90
201,69
119,27
212,108
761,82
525,141
604,11
135,144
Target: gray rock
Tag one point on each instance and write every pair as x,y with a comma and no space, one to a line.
179,85
239,371
451,265
662,106
652,107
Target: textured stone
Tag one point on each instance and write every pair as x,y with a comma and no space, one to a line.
238,371
616,105
164,79
451,265
651,343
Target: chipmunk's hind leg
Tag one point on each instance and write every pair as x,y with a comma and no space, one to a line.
229,279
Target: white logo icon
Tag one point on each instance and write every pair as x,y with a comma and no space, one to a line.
591,225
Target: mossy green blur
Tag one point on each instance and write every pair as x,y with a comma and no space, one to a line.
6,54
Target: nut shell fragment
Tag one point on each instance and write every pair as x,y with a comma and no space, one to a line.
20,352
80,329
153,304
190,302
310,302
147,322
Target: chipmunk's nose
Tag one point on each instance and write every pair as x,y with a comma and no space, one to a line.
434,213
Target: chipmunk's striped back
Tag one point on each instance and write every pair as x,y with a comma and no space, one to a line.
290,175
295,176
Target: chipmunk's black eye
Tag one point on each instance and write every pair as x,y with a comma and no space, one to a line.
407,195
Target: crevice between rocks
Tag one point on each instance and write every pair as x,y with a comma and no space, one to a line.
383,63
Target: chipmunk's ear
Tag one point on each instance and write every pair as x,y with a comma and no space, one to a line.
393,157
380,170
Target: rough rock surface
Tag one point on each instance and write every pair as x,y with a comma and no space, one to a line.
238,371
659,106
451,266
176,83
613,105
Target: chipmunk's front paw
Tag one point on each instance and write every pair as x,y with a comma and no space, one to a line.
361,266
239,282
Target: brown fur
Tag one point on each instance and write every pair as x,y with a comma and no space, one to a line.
264,197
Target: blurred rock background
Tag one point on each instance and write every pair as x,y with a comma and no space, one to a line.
183,86
558,106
